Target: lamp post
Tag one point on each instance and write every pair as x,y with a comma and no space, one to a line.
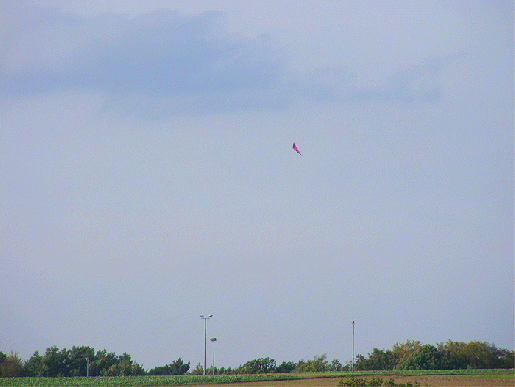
352,364
213,340
205,318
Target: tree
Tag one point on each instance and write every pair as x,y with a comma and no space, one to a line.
401,350
258,366
35,366
10,365
177,367
458,355
318,364
124,367
285,367
335,366
425,357
379,360
450,355
56,362
361,363
198,370
503,357
102,362
454,355
78,360
3,358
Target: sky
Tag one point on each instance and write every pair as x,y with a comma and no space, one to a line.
147,177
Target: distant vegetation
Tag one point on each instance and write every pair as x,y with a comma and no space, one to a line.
374,382
451,355
412,355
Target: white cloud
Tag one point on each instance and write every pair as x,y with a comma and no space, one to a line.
163,63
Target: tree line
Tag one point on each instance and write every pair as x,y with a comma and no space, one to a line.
452,355
412,355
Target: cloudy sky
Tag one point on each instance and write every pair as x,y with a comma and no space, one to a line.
147,176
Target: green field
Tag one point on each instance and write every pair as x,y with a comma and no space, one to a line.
172,380
184,380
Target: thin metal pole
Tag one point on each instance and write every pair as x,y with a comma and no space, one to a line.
205,318
213,340
205,345
352,345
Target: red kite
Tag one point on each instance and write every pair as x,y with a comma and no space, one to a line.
296,149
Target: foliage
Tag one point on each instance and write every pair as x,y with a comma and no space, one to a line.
377,360
35,366
267,365
124,367
10,365
374,382
177,367
335,366
475,355
285,367
223,371
413,355
184,380
74,362
198,370
258,366
425,357
318,364
147,380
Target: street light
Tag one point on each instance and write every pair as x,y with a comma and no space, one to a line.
352,364
205,318
213,340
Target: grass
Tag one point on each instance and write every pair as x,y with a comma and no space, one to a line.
120,381
185,380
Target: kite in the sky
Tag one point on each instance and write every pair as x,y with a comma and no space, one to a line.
296,149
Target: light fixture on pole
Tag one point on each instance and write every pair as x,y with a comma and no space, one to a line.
205,318
352,364
213,340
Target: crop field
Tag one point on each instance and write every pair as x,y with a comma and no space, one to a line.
469,378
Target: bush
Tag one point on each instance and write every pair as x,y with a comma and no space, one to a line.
374,382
